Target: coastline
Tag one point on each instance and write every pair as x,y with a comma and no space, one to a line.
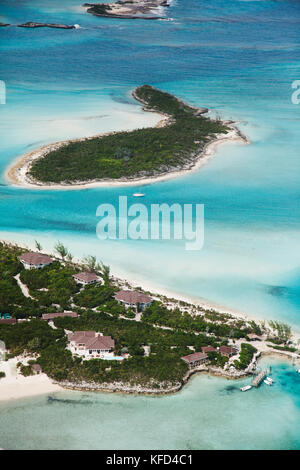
12,388
15,386
17,173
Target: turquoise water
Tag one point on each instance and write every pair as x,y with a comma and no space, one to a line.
209,413
239,58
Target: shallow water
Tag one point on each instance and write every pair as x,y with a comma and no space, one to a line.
239,59
209,413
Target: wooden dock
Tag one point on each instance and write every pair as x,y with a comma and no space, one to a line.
259,378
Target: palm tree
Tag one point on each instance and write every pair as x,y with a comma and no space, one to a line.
91,263
61,249
38,245
105,270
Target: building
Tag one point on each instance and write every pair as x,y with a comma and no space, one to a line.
133,299
8,321
35,260
36,368
86,278
195,359
90,344
51,316
206,349
227,351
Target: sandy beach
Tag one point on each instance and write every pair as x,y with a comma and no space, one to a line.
15,386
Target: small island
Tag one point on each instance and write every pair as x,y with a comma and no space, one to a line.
179,143
128,9
77,326
4,24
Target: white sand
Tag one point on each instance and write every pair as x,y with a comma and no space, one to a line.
15,386
17,173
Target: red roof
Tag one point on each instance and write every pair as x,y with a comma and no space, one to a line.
8,321
92,340
132,297
195,357
50,316
227,350
35,258
86,277
206,349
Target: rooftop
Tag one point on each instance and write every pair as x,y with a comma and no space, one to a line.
86,277
206,349
198,356
227,350
92,340
35,258
132,297
8,321
50,316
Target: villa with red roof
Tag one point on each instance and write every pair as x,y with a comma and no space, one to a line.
227,351
86,278
35,260
132,299
195,359
91,345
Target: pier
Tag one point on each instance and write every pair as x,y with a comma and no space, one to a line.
259,378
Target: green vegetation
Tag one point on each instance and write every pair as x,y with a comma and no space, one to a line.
283,348
283,331
168,333
52,285
2,375
246,355
158,314
142,152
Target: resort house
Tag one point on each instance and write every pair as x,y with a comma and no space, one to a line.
36,369
86,278
51,316
195,359
35,260
133,299
227,351
90,344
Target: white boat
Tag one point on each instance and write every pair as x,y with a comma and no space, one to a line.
139,194
267,382
298,370
245,388
270,380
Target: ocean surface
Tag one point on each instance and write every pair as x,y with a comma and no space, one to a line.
239,58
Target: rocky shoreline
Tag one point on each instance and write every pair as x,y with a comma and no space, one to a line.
161,389
129,9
